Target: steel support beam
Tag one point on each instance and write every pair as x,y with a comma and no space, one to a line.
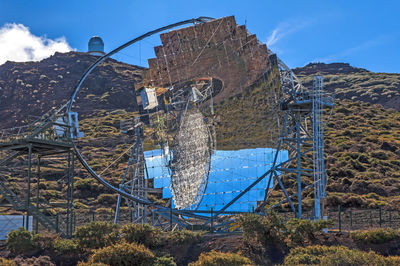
28,194
37,193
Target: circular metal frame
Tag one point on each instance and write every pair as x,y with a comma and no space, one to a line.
84,76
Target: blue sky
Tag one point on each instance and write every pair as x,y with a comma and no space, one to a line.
363,33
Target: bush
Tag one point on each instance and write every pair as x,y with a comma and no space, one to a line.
23,242
96,235
375,236
264,229
20,241
263,237
106,199
91,264
87,185
44,241
164,261
215,258
42,261
141,233
123,254
379,155
299,230
185,236
104,211
336,255
6,262
65,246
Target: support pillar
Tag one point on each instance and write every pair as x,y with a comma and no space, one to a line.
69,195
72,192
37,192
298,138
28,194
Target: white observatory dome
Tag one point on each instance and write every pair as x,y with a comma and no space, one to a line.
96,46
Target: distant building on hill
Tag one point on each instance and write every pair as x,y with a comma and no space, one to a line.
96,46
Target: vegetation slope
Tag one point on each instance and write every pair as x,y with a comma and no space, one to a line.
362,138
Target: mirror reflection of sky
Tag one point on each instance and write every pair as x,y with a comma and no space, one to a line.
231,172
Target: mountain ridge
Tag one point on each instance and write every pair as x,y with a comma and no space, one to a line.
33,88
356,84
331,68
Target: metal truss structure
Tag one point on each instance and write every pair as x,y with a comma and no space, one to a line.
320,178
175,94
183,99
51,135
193,142
135,180
302,135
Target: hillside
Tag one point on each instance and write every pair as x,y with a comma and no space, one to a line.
363,156
362,150
355,84
362,138
32,88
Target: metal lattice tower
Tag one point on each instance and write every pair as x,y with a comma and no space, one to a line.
134,180
318,146
302,136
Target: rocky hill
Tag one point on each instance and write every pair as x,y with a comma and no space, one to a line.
32,88
355,84
362,139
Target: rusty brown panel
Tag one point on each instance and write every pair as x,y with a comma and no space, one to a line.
219,48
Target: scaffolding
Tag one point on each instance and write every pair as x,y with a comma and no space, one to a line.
51,135
135,179
302,135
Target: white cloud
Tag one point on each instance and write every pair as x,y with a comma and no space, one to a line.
273,38
284,29
18,44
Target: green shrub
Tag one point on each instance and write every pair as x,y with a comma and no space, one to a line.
215,258
264,229
96,235
375,236
336,255
263,237
164,261
185,236
87,184
65,246
20,241
106,199
44,241
79,205
141,233
299,230
379,155
123,254
41,260
23,242
106,211
91,264
6,262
